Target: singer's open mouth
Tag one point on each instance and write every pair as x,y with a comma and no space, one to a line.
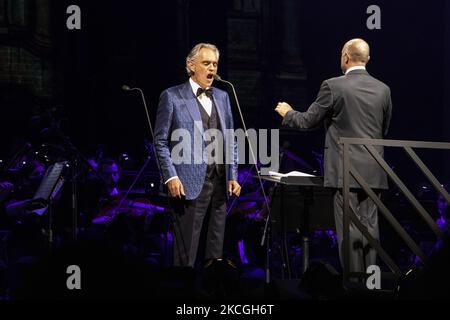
210,76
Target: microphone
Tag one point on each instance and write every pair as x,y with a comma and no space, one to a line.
219,78
127,88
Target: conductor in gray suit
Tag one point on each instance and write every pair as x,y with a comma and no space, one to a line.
355,105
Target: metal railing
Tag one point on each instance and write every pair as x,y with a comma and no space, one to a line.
350,216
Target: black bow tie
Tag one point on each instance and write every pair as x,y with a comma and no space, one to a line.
208,92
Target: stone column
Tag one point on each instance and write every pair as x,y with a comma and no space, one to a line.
3,17
291,62
291,76
17,14
244,56
42,34
182,7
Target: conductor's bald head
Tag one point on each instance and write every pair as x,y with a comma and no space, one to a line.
355,52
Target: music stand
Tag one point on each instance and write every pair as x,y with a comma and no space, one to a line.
50,186
301,181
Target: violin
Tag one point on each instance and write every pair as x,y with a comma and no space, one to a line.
138,208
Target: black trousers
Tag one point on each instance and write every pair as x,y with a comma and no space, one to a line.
188,221
362,254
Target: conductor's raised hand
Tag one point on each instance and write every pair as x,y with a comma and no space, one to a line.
282,108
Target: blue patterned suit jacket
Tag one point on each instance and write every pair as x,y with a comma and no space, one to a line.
178,109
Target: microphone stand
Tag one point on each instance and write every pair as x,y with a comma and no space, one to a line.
127,88
266,226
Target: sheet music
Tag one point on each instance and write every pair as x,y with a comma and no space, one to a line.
295,178
49,181
58,187
51,184
289,174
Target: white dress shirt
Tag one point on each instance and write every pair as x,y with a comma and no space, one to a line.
355,68
205,101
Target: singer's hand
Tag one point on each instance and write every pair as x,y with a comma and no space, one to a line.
175,188
234,188
283,108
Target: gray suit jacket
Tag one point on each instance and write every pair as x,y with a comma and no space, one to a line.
355,105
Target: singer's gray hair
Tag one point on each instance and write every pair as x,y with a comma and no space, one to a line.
194,53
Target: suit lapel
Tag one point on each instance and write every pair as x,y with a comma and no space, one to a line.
192,105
